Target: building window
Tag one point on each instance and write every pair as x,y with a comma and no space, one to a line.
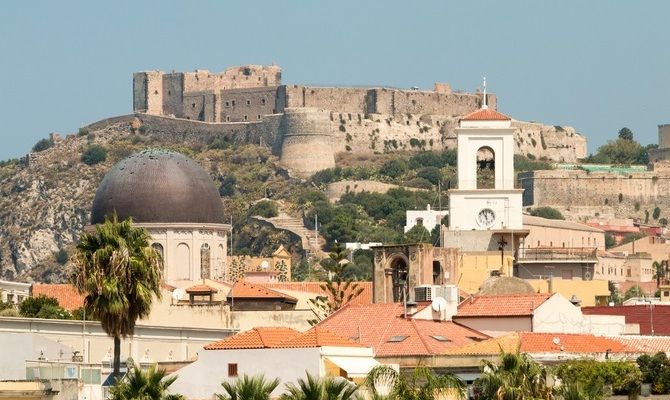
193,105
419,221
666,293
227,118
248,102
485,171
538,243
227,104
259,116
263,101
628,272
233,103
246,118
232,369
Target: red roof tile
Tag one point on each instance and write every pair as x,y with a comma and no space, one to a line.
319,337
501,305
279,337
486,114
315,287
534,342
66,294
257,338
375,325
642,315
646,344
244,289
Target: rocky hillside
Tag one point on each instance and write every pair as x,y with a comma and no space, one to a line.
45,197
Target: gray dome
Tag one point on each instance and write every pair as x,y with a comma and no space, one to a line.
498,285
158,186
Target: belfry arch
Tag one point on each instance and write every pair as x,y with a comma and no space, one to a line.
486,168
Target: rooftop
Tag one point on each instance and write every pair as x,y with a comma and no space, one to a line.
558,223
279,337
65,293
535,342
506,305
486,114
648,317
382,327
244,289
315,287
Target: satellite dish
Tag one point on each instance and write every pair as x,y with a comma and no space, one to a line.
178,294
556,340
265,265
439,304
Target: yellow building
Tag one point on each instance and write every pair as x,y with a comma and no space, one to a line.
474,267
590,293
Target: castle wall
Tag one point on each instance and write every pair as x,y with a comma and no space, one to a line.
349,100
148,92
398,102
248,104
173,91
664,136
584,194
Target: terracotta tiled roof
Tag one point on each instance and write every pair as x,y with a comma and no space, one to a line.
486,114
244,289
315,287
167,286
66,294
257,338
534,342
201,289
501,305
646,344
278,337
641,315
319,337
382,327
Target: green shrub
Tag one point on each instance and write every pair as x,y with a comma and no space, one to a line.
42,307
82,132
663,221
42,145
394,168
414,142
656,213
61,256
431,174
623,376
94,154
450,157
426,159
227,187
264,208
420,183
546,212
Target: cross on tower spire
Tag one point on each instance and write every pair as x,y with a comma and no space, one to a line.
484,105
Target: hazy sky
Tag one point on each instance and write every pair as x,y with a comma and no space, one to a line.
594,65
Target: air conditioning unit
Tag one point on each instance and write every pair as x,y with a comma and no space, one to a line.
431,292
425,292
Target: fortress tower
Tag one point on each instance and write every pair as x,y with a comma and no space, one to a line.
306,145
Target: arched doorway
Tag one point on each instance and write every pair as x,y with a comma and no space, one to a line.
399,274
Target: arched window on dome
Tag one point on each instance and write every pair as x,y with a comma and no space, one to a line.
158,248
486,168
205,261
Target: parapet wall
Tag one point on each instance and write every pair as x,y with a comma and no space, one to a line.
582,194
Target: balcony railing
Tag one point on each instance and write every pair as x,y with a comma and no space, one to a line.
557,253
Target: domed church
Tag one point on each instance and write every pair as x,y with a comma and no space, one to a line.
175,200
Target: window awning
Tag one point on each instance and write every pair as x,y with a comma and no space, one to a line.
356,367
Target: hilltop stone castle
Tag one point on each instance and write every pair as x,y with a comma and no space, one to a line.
307,126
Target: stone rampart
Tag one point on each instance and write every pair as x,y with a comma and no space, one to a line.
581,194
306,141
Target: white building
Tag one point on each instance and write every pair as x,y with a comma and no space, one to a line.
14,292
428,218
485,144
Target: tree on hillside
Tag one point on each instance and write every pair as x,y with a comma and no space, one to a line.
339,289
625,133
119,273
418,234
546,212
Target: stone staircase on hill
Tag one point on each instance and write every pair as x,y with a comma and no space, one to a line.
311,242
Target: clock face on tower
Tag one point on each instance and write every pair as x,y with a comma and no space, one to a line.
486,218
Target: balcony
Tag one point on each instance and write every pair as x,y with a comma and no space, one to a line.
557,254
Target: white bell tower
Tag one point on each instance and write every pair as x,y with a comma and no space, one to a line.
485,198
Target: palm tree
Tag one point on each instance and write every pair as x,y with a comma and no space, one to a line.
248,388
515,377
577,391
422,384
138,384
314,388
119,273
